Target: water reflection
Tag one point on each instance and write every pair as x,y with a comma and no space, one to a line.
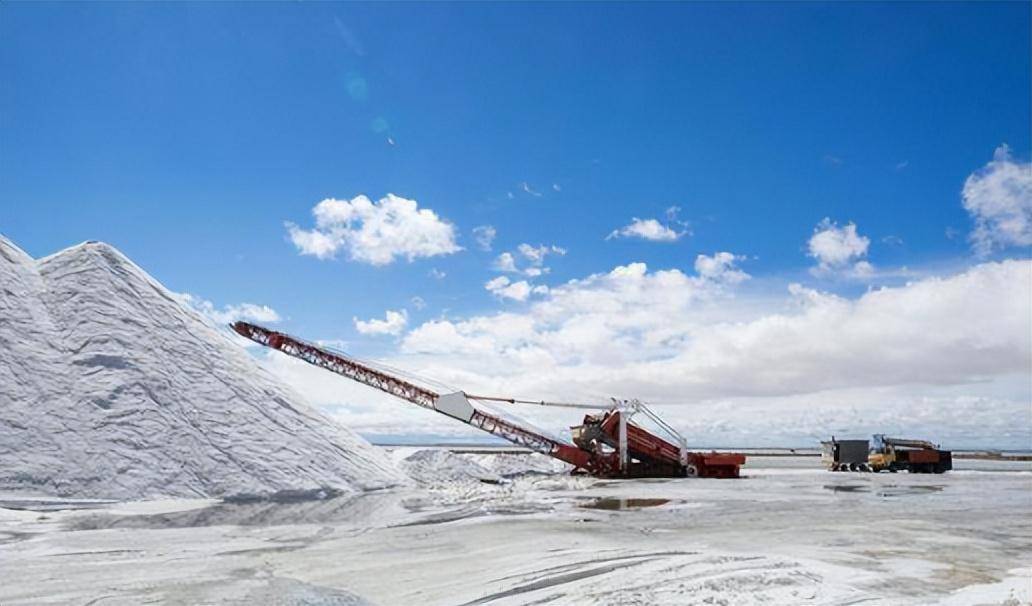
620,504
888,490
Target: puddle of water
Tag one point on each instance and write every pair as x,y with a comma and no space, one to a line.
616,504
847,488
889,490
287,496
902,491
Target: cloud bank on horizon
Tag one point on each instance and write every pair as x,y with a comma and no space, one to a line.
945,356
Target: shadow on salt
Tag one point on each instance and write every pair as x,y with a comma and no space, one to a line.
319,507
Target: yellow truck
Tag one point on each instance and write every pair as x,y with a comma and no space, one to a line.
915,456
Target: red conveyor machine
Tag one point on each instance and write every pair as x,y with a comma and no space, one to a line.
608,444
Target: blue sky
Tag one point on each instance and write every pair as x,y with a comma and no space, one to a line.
188,134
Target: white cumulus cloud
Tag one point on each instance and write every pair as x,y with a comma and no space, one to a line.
393,323
720,267
534,257
836,248
647,229
374,232
230,313
504,288
999,199
505,262
536,254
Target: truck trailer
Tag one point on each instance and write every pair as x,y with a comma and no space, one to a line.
845,455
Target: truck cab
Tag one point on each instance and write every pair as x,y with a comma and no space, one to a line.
915,456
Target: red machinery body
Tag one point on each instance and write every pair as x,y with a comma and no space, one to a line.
597,442
651,455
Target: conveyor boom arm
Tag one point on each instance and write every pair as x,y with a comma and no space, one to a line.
906,443
455,405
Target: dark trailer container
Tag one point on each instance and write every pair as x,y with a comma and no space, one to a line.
845,455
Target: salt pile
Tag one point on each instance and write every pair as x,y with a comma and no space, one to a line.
509,465
111,388
432,467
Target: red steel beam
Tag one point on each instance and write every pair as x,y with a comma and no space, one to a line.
419,396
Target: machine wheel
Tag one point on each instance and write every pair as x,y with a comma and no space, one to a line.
691,471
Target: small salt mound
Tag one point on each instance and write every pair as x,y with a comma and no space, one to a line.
432,467
112,388
508,465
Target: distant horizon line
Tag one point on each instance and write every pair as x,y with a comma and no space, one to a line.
501,444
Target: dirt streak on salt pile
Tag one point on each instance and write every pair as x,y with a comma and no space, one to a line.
112,388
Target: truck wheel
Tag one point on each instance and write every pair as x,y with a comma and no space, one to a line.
853,467
691,471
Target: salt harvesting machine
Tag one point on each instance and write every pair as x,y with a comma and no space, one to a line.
607,444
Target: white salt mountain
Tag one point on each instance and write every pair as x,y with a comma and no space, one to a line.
111,388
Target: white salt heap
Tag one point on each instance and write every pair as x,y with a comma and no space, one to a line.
432,467
111,388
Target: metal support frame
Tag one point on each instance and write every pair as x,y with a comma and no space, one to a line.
632,407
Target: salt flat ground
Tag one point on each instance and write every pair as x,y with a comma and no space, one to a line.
787,533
